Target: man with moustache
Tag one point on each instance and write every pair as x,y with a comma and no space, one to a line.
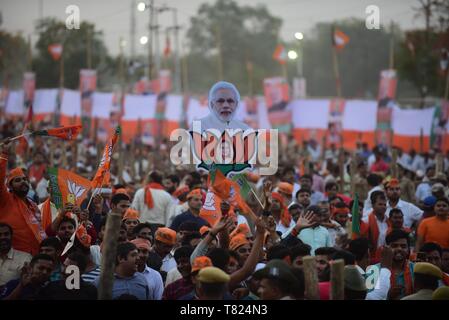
412,214
11,260
401,278
16,209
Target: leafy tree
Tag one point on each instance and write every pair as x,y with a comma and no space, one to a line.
74,53
13,58
243,33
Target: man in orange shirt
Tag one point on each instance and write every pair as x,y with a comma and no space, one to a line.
16,209
435,229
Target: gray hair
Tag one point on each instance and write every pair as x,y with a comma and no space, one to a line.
223,85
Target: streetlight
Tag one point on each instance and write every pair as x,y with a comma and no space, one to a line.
141,6
143,40
299,35
292,55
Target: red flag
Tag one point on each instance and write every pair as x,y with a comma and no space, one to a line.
102,175
280,54
339,39
66,133
55,51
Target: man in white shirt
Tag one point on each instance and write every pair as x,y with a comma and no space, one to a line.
11,260
374,182
412,214
153,202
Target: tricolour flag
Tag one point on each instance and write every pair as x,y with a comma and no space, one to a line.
339,39
280,54
355,218
243,184
66,132
102,175
67,187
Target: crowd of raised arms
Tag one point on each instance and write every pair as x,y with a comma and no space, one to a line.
381,210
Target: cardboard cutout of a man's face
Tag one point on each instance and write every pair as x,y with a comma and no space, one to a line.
224,104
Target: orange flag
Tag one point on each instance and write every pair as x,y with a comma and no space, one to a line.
228,190
339,39
280,54
102,175
67,187
66,133
55,50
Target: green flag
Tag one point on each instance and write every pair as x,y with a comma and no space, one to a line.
355,217
241,180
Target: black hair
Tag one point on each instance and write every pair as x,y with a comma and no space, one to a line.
186,239
325,251
395,235
67,219
330,185
300,250
119,186
80,259
51,242
303,190
287,170
174,178
306,176
425,281
141,226
359,248
294,206
443,199
155,176
291,242
196,179
116,198
123,249
377,195
278,252
40,256
2,225
219,257
347,256
183,252
189,226
428,247
395,210
374,179
234,255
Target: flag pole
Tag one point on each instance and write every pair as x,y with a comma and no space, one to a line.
336,71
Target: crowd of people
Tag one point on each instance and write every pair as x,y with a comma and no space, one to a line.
393,237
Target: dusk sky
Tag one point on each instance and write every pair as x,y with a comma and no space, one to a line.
113,16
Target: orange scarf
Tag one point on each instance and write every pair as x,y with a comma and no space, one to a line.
46,214
148,196
374,237
407,279
286,217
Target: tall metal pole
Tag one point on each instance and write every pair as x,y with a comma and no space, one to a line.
156,44
177,77
150,41
132,31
